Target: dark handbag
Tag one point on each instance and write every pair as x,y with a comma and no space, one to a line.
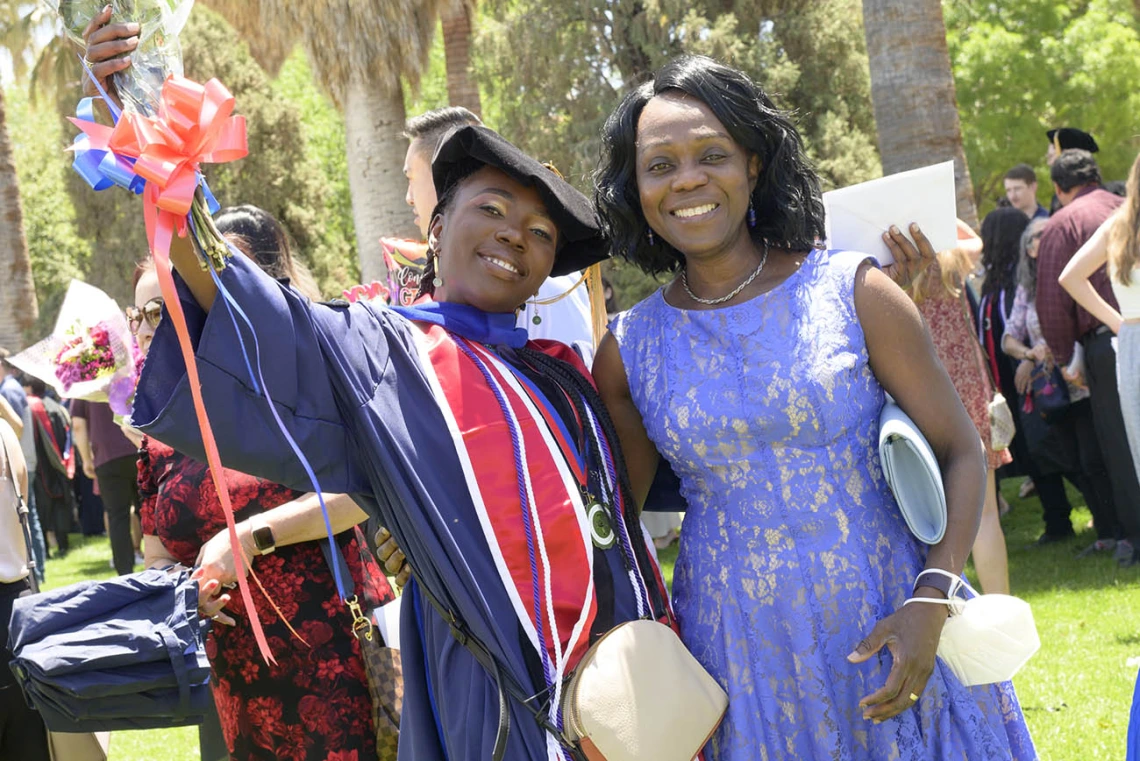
1049,393
382,665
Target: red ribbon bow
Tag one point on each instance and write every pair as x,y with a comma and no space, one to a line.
194,125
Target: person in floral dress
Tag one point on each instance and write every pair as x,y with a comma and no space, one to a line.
313,704
940,294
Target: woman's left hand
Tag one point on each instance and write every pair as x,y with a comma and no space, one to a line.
212,605
910,261
911,634
216,560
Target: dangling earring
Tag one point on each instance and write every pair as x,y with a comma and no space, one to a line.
751,214
650,236
537,320
433,257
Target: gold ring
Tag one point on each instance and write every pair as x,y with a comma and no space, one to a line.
913,698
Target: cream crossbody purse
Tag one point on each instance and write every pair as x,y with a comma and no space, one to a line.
637,694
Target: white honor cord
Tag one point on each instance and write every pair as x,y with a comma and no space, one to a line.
636,579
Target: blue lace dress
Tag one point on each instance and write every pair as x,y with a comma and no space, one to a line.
793,546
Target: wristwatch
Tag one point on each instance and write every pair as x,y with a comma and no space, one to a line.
934,580
262,535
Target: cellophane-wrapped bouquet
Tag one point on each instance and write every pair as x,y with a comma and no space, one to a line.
90,354
158,53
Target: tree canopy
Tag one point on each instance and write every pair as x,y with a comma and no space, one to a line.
1022,68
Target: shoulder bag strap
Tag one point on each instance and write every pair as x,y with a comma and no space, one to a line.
22,511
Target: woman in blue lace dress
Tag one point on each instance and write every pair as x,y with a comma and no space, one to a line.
759,372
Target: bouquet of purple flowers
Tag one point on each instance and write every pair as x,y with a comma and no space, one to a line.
91,354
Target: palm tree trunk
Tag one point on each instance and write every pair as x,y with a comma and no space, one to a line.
374,124
461,87
18,309
912,89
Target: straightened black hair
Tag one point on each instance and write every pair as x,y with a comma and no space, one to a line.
442,204
1001,241
787,199
1074,168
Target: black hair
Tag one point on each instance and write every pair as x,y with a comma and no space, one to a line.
787,198
432,126
1022,172
1117,188
1027,265
258,235
442,204
38,387
1074,168
1001,239
581,393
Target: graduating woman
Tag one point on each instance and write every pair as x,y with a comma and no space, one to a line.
491,459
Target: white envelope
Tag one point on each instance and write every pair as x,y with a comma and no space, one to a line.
857,216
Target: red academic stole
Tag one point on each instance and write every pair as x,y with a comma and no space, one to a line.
532,518
39,412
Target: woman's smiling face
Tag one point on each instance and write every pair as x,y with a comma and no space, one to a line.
693,179
495,241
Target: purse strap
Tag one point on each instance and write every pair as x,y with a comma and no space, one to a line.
22,511
964,300
361,624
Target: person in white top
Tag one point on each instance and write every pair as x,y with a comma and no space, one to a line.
22,731
1117,245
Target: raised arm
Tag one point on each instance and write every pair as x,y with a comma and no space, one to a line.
641,457
1075,277
903,359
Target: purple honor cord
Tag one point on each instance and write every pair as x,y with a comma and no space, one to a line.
264,391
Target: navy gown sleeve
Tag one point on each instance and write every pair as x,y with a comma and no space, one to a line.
292,351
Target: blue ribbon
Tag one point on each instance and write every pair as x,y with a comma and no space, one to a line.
106,169
102,169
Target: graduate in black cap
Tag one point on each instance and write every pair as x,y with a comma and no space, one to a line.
1064,138
489,457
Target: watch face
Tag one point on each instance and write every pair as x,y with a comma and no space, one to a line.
263,537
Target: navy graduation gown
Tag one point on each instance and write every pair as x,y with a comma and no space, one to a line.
347,382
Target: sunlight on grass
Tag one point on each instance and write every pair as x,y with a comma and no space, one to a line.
1076,691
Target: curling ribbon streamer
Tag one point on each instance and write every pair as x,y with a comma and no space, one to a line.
194,125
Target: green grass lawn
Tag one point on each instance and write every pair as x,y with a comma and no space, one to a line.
1076,691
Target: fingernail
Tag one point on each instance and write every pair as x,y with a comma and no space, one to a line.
133,27
914,226
878,721
895,229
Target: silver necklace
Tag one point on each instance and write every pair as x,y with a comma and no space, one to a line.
736,291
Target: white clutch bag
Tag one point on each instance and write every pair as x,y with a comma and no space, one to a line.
912,471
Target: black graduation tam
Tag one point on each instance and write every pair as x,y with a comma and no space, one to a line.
1068,138
468,149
